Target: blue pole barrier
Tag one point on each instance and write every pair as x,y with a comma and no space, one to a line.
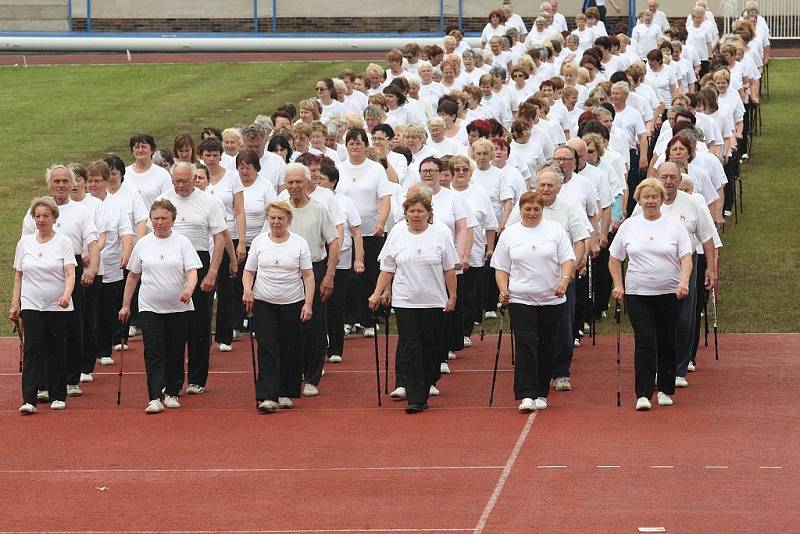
441,16
274,16
631,15
88,15
255,16
460,14
69,15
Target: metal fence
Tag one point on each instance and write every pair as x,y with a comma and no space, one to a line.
783,18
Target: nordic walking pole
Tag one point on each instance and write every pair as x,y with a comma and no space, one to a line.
386,355
714,319
618,318
251,333
484,290
497,354
705,317
124,341
378,369
511,331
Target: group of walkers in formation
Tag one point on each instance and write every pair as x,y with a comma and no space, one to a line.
455,184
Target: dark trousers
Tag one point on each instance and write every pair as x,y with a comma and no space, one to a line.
492,295
237,291
731,173
419,350
474,289
685,328
367,280
164,339
45,350
453,338
278,332
224,288
535,340
654,319
198,337
566,337
91,324
315,341
108,323
633,179
700,302
75,328
336,309
119,335
601,280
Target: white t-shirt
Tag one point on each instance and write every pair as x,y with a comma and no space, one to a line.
630,122
565,212
685,209
489,32
151,183
654,250
365,184
130,201
479,204
42,267
533,257
698,40
163,263
583,192
278,266
493,181
351,219
329,111
662,81
529,153
272,166
448,208
418,262
117,224
75,221
313,223
644,38
256,197
447,147
229,185
200,217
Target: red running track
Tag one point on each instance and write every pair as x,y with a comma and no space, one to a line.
724,458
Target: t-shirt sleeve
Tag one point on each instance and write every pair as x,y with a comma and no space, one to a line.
387,256
89,231
304,256
449,254
384,189
140,211
191,260
236,184
329,232
135,261
18,255
66,250
353,216
501,259
617,247
684,243
251,264
565,252
216,218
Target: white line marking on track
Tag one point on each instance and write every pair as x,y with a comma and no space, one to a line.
662,467
652,529
716,467
608,466
770,467
251,469
501,482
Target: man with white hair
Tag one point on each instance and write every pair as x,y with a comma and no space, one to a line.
659,17
558,19
513,20
255,138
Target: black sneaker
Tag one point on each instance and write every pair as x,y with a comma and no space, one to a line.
416,407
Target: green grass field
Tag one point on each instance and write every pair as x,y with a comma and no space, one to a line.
79,113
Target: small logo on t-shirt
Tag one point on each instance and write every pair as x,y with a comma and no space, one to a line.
276,262
652,238
162,256
40,254
533,247
58,225
183,219
683,217
419,251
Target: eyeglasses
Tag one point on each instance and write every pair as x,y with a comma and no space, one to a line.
428,172
564,159
322,88
461,170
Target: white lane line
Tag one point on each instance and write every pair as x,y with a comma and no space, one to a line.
716,467
501,482
652,529
252,469
608,466
770,467
662,467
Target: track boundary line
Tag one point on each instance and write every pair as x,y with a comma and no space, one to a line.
250,469
501,482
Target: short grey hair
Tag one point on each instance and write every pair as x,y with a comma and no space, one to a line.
253,131
497,70
551,166
622,86
178,165
48,174
295,167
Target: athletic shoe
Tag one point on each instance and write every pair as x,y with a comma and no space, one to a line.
663,399
680,382
467,342
369,332
335,358
285,402
134,331
310,390
727,213
540,403
224,347
692,367
562,384
171,401
399,393
586,327
118,347
576,343
348,329
416,407
433,391
268,406
27,409
642,404
106,360
322,373
490,315
745,156
74,391
236,335
527,405
58,405
87,377
42,395
451,355
444,368
194,389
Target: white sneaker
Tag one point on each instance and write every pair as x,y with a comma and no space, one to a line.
107,360
236,335
134,331
576,343
680,382
224,347
268,406
171,402
467,342
87,377
527,405
348,329
369,332
194,389
285,402
490,315
540,403
444,368
42,395
27,409
335,358
692,367
399,393
433,391
155,406
451,355
74,391
310,390
643,404
663,399
58,405
586,327
727,213
118,347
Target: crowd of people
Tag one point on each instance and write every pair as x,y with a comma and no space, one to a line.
451,185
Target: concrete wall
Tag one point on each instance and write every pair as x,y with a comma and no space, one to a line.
33,15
